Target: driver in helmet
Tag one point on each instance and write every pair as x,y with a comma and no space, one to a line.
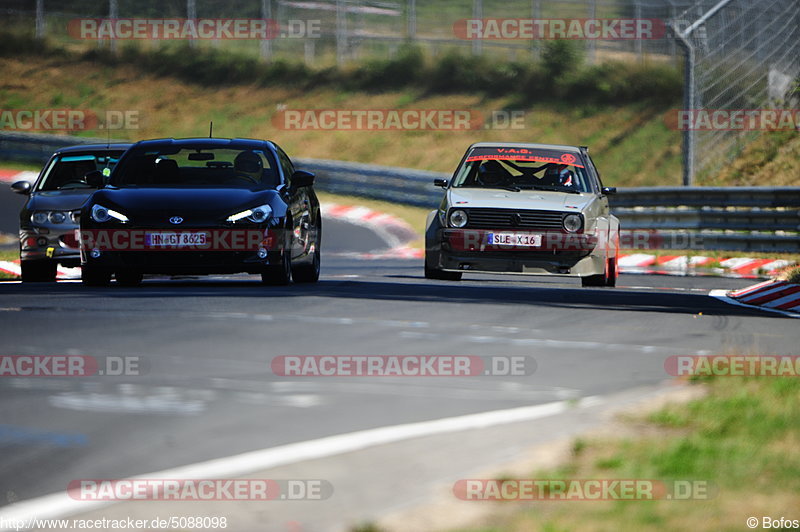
248,163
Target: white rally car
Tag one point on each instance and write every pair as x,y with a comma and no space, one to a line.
535,209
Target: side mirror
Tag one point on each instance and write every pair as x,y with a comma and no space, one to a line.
301,178
95,178
21,187
609,190
440,182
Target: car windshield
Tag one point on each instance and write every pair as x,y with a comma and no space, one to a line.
192,166
519,169
68,171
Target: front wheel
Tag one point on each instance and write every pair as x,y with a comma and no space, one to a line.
94,276
129,278
613,272
308,273
607,278
281,274
39,271
441,275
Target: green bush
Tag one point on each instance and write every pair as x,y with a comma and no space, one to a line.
558,76
560,58
406,68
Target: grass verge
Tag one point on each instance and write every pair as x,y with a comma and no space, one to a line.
742,438
8,255
631,143
21,166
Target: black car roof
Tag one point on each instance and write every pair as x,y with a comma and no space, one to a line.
94,147
206,142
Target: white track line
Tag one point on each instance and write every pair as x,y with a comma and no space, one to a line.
60,504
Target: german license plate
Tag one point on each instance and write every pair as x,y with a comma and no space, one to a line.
177,240
526,240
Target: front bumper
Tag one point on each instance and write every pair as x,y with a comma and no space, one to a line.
130,249
61,245
569,254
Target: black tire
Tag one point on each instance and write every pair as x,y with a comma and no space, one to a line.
279,275
309,273
611,281
93,276
38,271
596,280
440,275
128,278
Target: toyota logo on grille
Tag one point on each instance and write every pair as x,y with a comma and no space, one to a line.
176,220
516,219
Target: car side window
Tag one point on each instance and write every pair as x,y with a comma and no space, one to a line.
286,165
595,173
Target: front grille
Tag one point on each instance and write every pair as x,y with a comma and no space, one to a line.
513,219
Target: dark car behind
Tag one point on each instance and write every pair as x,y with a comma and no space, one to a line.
49,218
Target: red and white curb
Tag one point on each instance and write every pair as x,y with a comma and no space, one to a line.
742,267
396,232
13,268
11,176
774,296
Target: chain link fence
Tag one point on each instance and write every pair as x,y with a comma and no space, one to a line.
325,32
740,55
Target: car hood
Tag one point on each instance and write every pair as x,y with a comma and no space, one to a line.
195,205
544,200
59,200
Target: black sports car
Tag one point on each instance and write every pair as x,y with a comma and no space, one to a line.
48,222
202,206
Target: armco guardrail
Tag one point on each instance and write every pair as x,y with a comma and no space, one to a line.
714,218
701,218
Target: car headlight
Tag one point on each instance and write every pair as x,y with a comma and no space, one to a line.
57,217
102,214
257,215
53,217
458,218
572,223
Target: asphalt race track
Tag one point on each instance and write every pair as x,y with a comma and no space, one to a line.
209,392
